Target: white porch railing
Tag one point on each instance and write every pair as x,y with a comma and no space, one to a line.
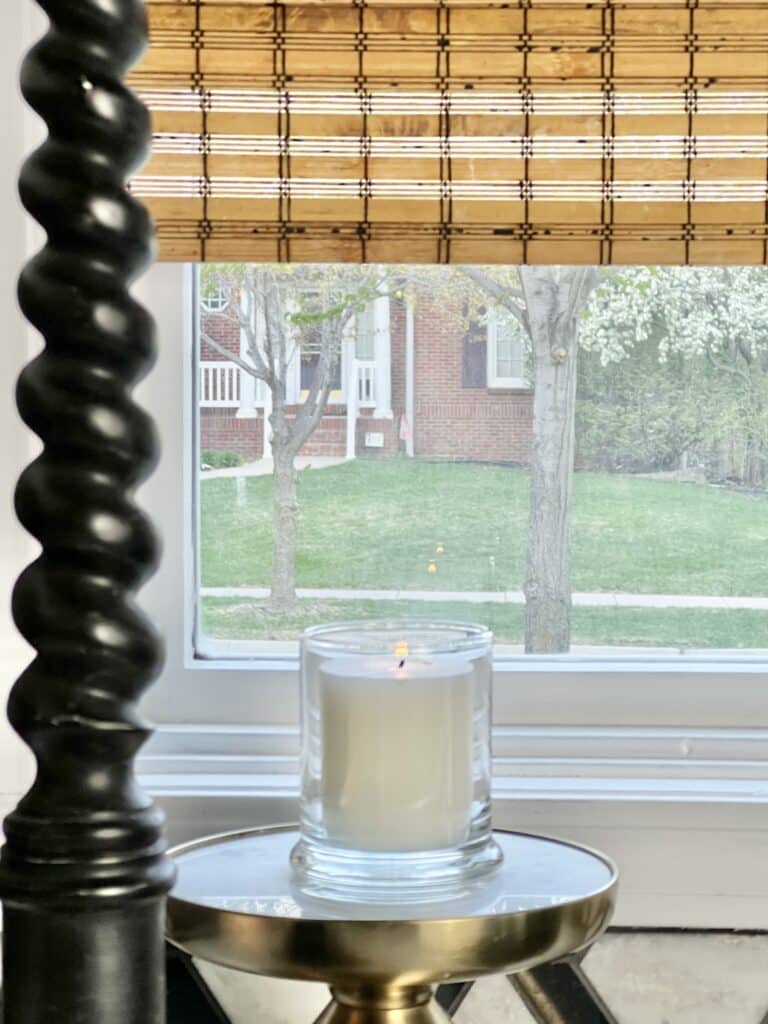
219,385
366,384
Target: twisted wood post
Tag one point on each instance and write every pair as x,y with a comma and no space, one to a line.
83,873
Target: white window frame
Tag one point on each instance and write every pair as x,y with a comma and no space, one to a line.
363,323
494,380
662,762
215,304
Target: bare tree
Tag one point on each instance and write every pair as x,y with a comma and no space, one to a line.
284,313
548,302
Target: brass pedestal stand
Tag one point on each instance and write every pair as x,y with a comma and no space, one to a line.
235,905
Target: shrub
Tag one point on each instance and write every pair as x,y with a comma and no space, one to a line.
221,460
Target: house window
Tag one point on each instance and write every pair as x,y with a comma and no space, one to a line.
310,358
507,351
214,300
365,335
310,335
474,356
365,356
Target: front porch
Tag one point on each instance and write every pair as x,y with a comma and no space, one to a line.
357,421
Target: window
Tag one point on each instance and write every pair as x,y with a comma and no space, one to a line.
474,356
507,351
310,358
365,335
310,336
670,456
639,738
365,356
214,300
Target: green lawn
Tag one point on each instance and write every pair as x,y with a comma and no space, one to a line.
376,524
239,619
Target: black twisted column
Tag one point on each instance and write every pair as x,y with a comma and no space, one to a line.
83,873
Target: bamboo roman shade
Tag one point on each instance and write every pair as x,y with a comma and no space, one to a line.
540,131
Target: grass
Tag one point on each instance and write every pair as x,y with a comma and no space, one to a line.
682,628
377,524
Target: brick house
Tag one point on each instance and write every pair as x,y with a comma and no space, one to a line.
407,381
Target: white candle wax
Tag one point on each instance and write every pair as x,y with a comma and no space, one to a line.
397,751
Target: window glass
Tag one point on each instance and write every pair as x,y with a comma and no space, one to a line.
310,359
616,502
365,340
474,356
308,329
510,348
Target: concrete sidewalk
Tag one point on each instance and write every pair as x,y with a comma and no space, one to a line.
263,467
596,600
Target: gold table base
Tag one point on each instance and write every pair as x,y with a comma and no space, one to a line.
391,1004
234,906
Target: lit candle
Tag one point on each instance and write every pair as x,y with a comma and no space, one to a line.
396,750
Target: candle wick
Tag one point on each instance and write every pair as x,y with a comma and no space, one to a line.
402,664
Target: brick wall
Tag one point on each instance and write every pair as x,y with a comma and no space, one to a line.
222,431
390,430
456,422
330,435
227,333
450,421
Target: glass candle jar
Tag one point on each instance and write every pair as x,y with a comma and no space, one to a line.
396,787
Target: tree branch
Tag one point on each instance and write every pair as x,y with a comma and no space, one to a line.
583,281
237,360
245,319
746,355
311,420
275,329
311,411
589,281
503,294
735,371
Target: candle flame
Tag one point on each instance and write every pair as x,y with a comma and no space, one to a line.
401,648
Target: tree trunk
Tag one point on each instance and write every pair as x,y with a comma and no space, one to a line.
285,506
754,465
547,587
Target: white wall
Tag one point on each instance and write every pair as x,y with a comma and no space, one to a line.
17,444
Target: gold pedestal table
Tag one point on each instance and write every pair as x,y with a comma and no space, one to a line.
236,904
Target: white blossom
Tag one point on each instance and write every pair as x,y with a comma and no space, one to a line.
712,311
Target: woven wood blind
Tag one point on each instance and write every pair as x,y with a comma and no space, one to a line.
539,131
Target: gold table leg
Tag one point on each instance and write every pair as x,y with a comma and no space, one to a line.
385,1004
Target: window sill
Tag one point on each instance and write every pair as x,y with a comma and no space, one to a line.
690,833
510,385
691,860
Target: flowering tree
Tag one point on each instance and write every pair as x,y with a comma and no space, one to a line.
711,324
